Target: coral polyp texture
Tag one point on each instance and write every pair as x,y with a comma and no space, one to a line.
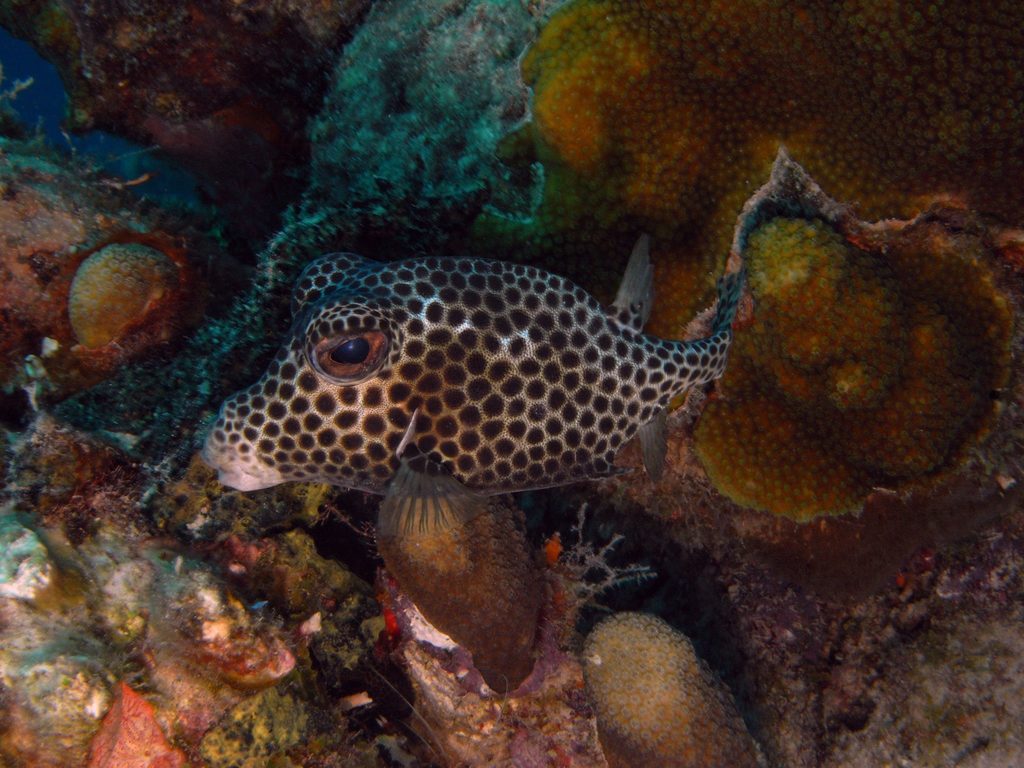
872,361
115,288
656,704
660,116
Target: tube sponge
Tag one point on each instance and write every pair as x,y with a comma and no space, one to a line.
656,703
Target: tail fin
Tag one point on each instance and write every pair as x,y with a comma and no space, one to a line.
730,290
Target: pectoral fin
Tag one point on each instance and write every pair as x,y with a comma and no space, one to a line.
424,495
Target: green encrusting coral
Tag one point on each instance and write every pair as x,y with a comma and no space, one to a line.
867,365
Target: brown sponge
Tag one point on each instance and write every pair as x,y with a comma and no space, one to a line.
477,582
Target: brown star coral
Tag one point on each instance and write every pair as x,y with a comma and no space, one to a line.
658,116
872,361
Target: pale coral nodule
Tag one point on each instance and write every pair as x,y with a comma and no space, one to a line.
115,288
656,703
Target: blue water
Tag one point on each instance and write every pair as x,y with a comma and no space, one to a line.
42,106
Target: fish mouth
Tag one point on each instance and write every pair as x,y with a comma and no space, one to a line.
237,471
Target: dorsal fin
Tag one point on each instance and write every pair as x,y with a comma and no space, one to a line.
331,273
632,305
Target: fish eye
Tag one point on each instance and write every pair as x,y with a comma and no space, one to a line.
351,351
350,359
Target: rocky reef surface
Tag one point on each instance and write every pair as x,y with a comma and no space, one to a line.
830,571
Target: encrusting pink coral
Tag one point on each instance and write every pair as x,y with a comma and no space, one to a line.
130,737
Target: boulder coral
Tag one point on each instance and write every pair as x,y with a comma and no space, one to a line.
656,703
875,357
659,117
115,288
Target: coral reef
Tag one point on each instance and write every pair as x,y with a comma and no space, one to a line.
656,704
546,719
863,336
197,507
477,583
657,117
71,480
255,730
914,673
223,89
89,605
118,608
404,163
831,674
64,258
552,724
328,603
149,615
168,395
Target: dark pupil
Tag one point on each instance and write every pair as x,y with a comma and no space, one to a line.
351,352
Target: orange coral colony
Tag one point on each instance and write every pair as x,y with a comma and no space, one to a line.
662,117
871,362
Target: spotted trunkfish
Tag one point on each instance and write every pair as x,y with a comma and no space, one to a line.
439,381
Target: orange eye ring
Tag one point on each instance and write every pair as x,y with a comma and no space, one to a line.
351,358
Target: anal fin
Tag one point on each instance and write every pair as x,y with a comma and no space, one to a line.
632,305
654,445
422,496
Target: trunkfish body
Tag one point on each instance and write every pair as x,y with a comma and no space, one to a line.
438,381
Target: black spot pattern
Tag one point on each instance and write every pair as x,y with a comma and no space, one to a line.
519,378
